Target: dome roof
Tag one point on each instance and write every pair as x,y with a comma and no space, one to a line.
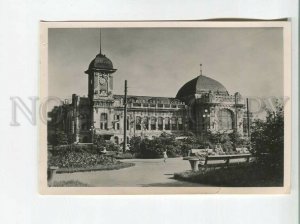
101,63
200,84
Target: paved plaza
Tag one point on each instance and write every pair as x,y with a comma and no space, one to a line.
145,173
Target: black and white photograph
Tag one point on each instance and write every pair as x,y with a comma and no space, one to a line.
165,107
149,111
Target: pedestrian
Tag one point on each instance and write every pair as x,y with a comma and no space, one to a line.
165,155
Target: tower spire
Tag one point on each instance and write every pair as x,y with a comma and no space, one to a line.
201,69
100,41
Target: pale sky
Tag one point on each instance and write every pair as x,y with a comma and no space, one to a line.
158,61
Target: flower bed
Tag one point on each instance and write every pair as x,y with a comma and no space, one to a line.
79,159
84,161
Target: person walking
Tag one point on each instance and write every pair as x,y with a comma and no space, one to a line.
165,156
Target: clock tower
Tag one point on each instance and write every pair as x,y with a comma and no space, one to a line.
100,94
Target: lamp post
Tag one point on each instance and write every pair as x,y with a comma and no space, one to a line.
125,118
206,116
92,129
248,118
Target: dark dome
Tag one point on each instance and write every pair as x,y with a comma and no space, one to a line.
101,63
200,84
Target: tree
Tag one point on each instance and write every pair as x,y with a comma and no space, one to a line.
60,138
267,139
135,144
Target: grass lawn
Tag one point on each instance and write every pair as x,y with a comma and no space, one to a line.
249,175
115,166
70,183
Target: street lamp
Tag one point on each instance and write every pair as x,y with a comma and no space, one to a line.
92,129
206,117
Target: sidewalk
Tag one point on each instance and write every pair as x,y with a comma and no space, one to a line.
145,173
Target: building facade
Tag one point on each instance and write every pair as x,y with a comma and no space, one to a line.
202,105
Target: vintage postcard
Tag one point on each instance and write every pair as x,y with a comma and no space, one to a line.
165,107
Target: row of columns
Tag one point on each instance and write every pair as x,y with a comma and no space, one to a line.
157,124
134,125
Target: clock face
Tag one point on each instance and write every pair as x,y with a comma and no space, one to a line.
102,81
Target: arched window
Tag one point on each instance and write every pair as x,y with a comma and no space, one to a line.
225,118
153,123
138,122
160,123
103,121
167,123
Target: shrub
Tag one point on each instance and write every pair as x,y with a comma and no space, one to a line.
154,148
191,142
126,155
135,145
228,141
227,146
102,144
110,146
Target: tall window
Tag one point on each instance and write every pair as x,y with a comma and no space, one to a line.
225,118
180,125
160,123
153,123
174,123
167,123
145,123
127,124
116,139
138,122
103,121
